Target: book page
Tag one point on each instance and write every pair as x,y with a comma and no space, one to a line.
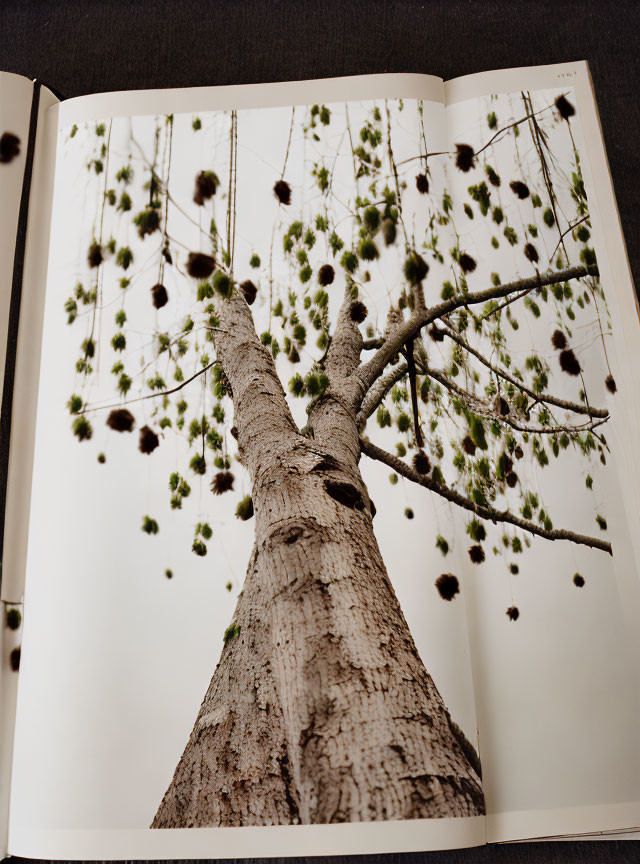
28,304
21,228
15,109
232,620
553,616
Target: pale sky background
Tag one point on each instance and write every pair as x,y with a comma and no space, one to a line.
116,658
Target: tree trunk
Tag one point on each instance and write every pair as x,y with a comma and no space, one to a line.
320,709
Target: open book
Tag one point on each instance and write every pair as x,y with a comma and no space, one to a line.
320,528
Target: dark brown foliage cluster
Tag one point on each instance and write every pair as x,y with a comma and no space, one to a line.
447,586
14,619
569,363
9,147
465,157
121,420
505,463
222,482
501,405
282,191
358,312
249,291
206,185
421,462
520,189
200,265
476,553
468,445
326,274
148,440
159,296
467,263
565,108
422,184
94,256
14,659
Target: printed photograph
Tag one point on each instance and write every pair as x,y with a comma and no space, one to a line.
318,377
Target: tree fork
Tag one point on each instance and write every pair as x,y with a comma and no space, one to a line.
409,329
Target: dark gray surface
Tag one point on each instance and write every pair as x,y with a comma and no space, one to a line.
85,47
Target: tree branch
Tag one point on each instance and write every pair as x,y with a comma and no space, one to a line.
424,156
576,407
406,331
566,231
479,406
261,412
489,513
343,353
150,395
527,116
332,416
411,369
507,302
371,344
380,389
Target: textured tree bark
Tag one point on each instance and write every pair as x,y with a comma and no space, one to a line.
320,709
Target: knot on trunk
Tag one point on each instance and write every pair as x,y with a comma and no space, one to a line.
326,463
289,531
344,493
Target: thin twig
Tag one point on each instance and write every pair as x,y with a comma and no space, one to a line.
149,395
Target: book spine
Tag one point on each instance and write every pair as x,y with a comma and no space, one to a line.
12,612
